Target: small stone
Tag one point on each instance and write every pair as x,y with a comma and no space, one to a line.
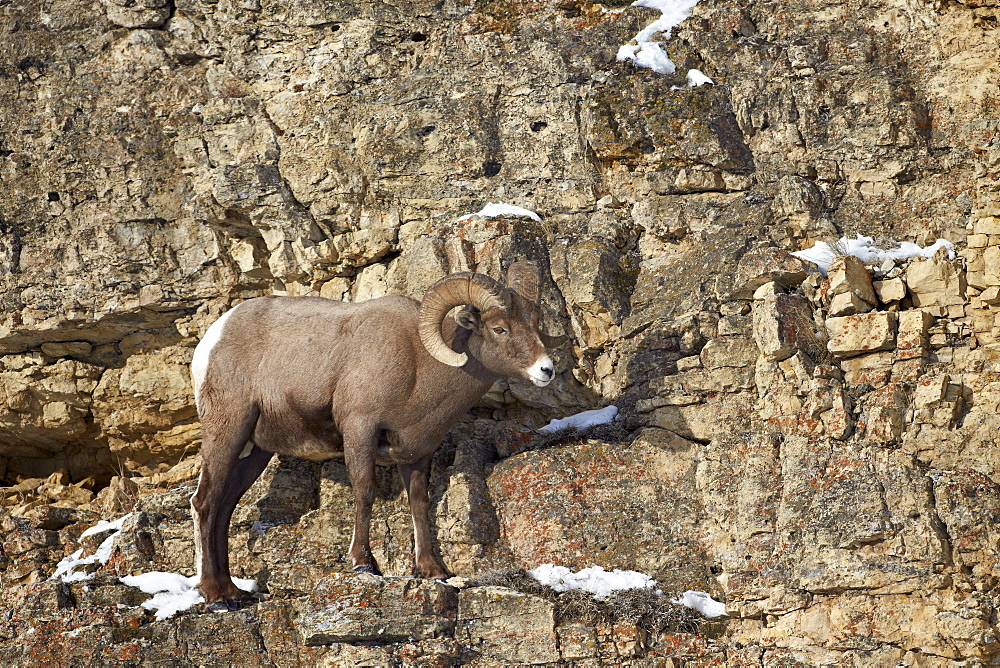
728,352
67,349
912,329
991,265
891,290
848,303
345,607
769,263
770,288
887,267
847,273
991,295
936,281
978,240
507,626
783,324
689,363
930,390
988,225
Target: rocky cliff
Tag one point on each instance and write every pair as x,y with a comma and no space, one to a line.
816,451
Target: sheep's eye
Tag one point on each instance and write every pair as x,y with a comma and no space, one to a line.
499,330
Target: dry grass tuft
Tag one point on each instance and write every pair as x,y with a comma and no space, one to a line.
615,431
643,607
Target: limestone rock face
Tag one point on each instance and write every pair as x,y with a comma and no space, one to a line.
819,453
379,609
548,515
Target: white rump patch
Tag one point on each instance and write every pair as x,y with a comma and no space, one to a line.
199,363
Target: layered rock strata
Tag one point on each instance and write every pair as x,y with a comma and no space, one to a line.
819,453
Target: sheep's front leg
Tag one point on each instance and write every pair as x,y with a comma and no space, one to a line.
415,481
359,455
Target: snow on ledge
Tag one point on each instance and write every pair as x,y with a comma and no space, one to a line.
702,602
493,210
66,568
172,592
822,253
596,580
643,51
698,78
582,420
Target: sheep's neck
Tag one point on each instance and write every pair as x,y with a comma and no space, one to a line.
466,341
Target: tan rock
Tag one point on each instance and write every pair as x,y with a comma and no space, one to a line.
143,14
507,626
987,225
847,273
882,414
991,295
67,349
859,334
783,324
978,240
873,368
768,264
357,608
728,352
912,330
991,265
689,363
251,259
146,408
890,290
848,303
936,281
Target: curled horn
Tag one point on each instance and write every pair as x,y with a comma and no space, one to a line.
459,289
523,277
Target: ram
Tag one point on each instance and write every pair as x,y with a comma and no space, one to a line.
376,382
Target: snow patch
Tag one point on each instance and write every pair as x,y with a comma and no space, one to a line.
643,51
172,592
822,253
583,420
698,78
104,525
596,580
66,568
493,210
702,602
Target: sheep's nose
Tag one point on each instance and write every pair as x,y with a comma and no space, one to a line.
542,371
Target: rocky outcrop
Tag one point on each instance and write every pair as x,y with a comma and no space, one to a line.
818,452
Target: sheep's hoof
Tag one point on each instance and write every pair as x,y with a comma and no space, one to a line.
227,605
371,570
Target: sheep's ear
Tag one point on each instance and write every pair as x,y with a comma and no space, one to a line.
468,317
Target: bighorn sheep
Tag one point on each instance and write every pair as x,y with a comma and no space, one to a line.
376,381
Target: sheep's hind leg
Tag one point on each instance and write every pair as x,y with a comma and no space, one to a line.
223,473
415,481
243,475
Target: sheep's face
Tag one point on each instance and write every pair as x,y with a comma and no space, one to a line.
511,345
